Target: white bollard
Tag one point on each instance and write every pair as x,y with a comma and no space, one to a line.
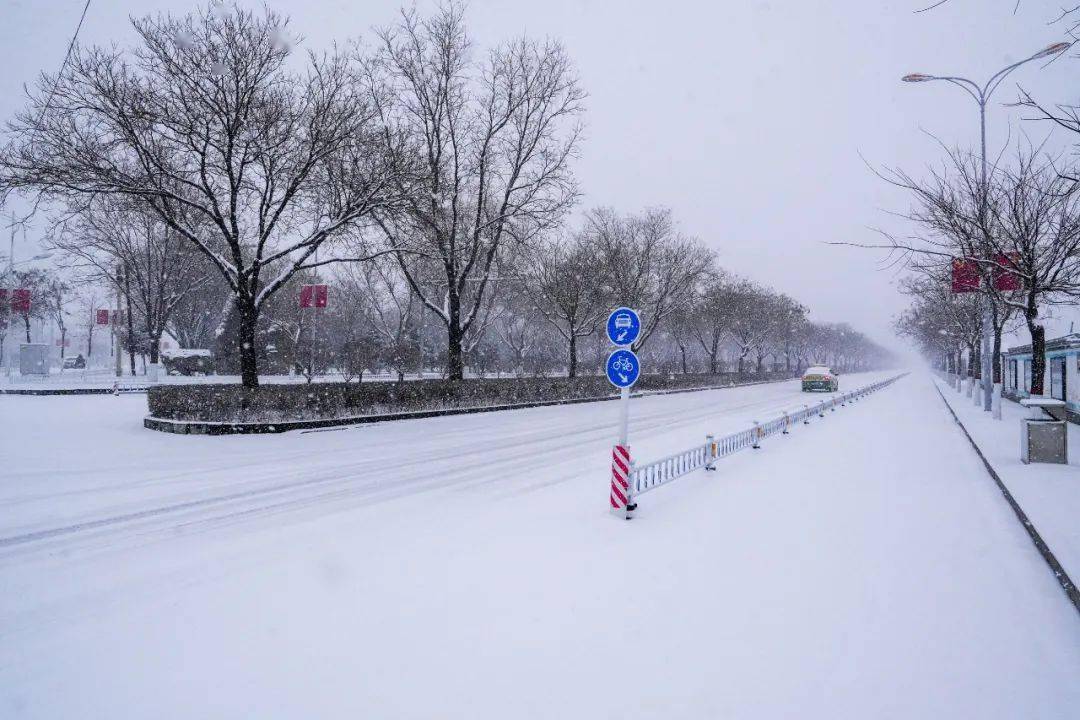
757,436
710,453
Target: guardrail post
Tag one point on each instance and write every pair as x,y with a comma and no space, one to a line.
631,503
787,424
806,415
821,409
710,453
757,436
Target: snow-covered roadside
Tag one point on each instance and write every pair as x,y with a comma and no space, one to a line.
862,567
1049,494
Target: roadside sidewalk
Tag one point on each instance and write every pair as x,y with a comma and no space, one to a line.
1049,494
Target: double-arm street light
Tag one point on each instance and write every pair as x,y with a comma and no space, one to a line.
981,95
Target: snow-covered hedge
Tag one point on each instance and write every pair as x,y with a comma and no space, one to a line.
317,401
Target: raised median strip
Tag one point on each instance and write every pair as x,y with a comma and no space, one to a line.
210,427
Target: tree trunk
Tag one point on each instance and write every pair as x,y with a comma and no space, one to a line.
1038,352
455,364
155,345
26,322
997,356
249,363
572,367
682,357
130,322
63,342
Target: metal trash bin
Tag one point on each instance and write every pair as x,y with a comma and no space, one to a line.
34,359
1044,434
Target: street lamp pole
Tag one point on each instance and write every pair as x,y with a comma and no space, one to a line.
981,96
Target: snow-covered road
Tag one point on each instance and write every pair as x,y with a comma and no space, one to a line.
466,567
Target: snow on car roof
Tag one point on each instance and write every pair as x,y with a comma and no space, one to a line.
817,370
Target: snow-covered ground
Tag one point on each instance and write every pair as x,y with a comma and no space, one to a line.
467,567
1049,494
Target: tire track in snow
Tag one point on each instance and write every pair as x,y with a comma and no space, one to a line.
313,490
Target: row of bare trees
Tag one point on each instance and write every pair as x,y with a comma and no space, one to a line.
1020,225
206,172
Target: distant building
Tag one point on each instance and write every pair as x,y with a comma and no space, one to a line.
1062,379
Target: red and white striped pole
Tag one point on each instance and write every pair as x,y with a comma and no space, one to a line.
622,490
620,481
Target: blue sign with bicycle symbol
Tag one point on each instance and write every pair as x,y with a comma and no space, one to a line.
623,326
623,368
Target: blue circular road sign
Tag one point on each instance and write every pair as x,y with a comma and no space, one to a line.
623,326
623,368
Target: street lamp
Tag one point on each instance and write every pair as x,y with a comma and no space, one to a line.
981,95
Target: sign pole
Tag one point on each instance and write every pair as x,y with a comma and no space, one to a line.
623,369
624,415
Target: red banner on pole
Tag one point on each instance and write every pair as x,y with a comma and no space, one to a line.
313,296
102,317
1004,277
20,300
965,275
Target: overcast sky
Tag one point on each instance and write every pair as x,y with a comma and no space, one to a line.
747,118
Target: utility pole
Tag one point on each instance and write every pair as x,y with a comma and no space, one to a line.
116,325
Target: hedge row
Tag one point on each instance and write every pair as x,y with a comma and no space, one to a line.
317,401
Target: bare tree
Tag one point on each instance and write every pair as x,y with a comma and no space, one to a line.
648,264
204,121
752,321
568,288
57,301
1022,222
1038,240
161,268
390,308
713,315
38,283
89,302
493,138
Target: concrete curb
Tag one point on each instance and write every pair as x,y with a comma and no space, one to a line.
71,391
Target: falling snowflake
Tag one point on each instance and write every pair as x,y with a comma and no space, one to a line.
183,40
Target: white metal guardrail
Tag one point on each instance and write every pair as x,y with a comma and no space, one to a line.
649,476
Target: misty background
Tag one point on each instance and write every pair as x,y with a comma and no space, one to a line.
753,121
